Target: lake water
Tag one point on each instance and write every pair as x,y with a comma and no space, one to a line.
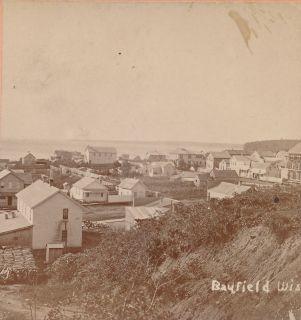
15,149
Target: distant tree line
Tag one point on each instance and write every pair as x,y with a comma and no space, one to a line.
271,145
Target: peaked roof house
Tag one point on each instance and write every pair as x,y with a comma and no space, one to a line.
137,159
100,155
224,164
214,159
224,175
161,168
53,216
295,150
263,156
294,163
154,156
241,164
187,157
226,190
10,184
259,169
283,155
26,177
132,187
89,190
29,159
216,176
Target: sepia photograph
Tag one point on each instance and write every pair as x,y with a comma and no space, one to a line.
150,160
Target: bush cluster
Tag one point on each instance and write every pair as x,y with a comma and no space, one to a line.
121,278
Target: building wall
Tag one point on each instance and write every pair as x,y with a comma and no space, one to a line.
241,167
191,159
224,165
94,195
48,222
29,159
10,183
294,167
9,186
100,157
294,175
138,191
256,157
25,210
164,170
168,170
17,238
216,195
210,162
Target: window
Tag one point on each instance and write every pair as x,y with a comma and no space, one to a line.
64,235
101,194
87,194
65,213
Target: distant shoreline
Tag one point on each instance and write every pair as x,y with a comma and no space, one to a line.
14,149
121,141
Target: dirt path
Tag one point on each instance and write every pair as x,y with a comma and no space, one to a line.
13,306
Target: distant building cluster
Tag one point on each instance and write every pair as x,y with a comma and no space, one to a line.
43,201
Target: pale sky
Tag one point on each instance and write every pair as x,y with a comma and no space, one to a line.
152,71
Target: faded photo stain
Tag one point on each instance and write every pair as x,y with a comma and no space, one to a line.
243,26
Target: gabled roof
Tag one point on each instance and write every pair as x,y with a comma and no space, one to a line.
29,154
129,183
101,149
141,213
6,172
39,192
89,183
36,193
227,161
224,174
220,155
296,149
18,222
203,176
25,176
137,158
188,174
242,158
282,153
233,152
229,189
266,153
